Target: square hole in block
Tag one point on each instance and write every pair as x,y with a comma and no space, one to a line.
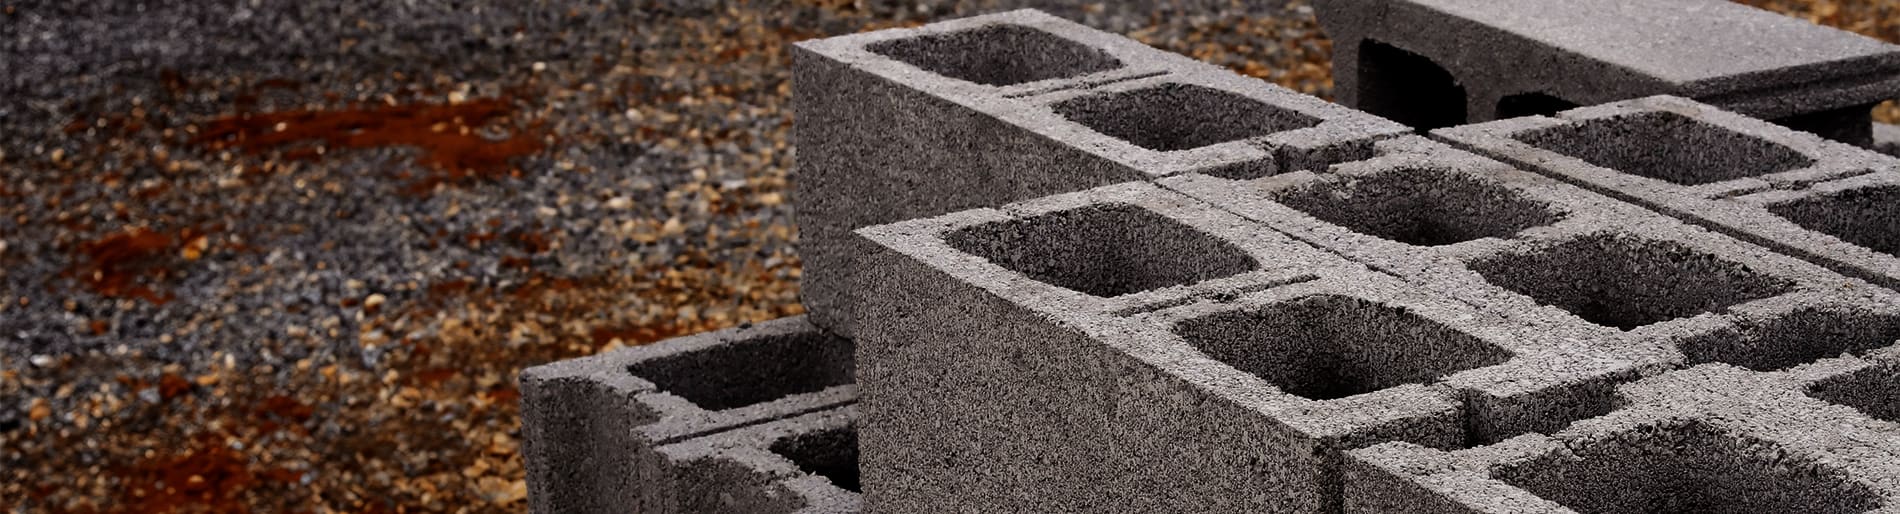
1668,146
1173,117
1420,206
1628,282
832,454
754,371
1686,467
1327,347
1874,391
998,55
1801,337
1106,251
1867,217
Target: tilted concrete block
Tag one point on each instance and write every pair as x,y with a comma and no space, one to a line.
1129,349
1826,202
590,425
978,112
1819,437
1439,63
801,465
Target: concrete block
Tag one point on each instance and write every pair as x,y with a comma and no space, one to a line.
1887,138
804,465
590,425
1440,63
1129,349
1818,437
1823,201
978,112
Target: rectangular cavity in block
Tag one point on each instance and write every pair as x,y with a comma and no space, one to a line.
1328,347
1684,466
753,371
1873,390
1420,206
1107,250
832,454
998,55
1799,337
1668,146
1170,117
1868,217
1627,282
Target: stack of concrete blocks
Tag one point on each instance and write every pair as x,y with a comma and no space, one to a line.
1084,275
1439,63
755,419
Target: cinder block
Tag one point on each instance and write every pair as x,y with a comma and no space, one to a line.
1634,284
1129,349
978,112
805,465
1818,437
1439,63
590,425
1822,201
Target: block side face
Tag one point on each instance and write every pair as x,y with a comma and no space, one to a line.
1668,146
1654,281
1108,250
998,55
1329,347
1685,467
579,448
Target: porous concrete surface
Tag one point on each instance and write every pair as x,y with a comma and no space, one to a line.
906,123
1129,349
590,425
1817,437
1590,52
805,465
1797,193
344,337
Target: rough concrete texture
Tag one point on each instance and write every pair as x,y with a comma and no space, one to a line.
1438,63
1816,437
590,425
1129,349
1823,201
805,465
978,112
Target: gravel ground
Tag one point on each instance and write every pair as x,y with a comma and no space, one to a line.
262,256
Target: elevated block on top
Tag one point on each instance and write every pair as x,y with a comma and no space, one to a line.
978,112
591,425
1439,63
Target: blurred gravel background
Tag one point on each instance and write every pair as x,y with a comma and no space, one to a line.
281,256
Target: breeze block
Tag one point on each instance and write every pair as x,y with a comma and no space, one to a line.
978,112
1130,349
1827,202
1820,437
1440,63
591,425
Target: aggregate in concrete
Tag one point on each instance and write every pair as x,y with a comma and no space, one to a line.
804,465
1631,282
1439,63
978,112
1130,349
1823,201
590,425
1818,437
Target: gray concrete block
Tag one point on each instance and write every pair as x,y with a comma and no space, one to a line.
1439,63
590,425
1129,349
977,112
1823,201
804,465
1817,437
1887,138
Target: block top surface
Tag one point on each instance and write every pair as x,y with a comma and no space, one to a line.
1681,41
